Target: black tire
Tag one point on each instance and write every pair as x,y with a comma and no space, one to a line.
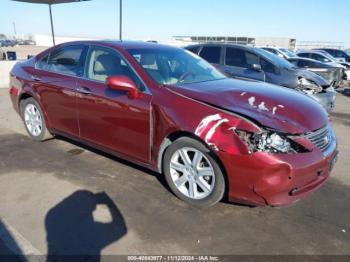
219,187
44,134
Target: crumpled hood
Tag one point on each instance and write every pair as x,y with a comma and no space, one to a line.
312,76
272,106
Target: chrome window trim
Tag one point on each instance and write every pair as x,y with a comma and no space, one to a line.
146,91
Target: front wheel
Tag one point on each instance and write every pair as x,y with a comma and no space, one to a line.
192,173
34,121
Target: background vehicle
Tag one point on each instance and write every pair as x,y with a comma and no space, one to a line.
338,54
170,111
281,52
8,43
255,63
333,74
2,54
324,57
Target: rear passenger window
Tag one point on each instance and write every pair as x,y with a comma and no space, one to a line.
211,54
67,60
235,57
240,58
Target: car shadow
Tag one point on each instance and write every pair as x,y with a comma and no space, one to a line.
160,178
81,225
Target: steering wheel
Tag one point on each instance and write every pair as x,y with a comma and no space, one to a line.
184,76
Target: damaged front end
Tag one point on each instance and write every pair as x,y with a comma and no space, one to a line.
266,166
308,87
324,95
269,142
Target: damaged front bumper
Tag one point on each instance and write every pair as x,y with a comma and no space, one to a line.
277,179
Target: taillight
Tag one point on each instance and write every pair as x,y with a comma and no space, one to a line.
14,91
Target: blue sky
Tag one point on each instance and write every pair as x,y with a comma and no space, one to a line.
160,19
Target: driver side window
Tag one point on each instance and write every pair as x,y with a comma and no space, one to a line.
103,62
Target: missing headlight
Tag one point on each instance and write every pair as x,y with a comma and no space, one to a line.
269,142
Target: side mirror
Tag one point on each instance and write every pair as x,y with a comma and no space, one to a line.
123,83
257,67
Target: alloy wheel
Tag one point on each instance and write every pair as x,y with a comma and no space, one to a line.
33,120
192,173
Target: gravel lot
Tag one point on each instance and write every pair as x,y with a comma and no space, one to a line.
54,197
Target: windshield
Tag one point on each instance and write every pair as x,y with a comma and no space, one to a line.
168,66
288,52
347,52
281,62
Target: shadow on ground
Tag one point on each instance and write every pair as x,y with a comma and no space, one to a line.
80,226
316,225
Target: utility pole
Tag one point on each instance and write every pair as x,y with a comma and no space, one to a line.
120,19
52,30
14,29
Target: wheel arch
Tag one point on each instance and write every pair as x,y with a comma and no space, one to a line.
25,95
172,137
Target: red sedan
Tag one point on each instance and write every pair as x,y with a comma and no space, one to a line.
167,109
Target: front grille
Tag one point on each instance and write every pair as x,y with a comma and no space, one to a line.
321,138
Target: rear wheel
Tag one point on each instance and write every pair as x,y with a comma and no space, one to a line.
34,121
192,173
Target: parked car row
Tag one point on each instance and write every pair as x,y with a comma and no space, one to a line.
15,42
239,61
169,110
324,57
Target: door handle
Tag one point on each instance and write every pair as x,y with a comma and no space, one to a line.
36,79
84,90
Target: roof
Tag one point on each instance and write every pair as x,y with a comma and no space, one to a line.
123,44
52,2
220,44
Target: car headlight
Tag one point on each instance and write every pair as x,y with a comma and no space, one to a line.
269,142
308,85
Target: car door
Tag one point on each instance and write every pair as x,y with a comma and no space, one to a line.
54,79
239,63
108,117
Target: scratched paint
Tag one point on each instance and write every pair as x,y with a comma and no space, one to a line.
251,101
215,131
262,106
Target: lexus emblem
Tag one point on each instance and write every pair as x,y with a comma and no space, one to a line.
326,139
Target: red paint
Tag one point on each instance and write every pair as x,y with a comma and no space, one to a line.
131,124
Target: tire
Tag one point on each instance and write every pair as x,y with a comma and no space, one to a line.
206,190
41,134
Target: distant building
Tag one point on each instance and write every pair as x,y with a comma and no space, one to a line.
289,43
319,44
228,39
285,42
